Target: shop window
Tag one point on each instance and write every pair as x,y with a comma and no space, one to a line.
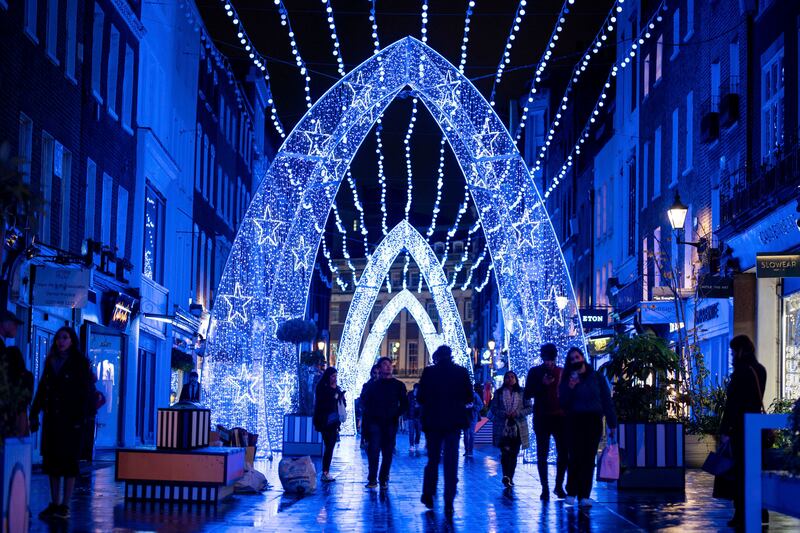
791,347
153,253
105,355
145,396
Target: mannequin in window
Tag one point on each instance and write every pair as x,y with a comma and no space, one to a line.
191,389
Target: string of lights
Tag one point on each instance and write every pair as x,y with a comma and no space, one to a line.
381,175
439,185
343,232
362,226
482,286
295,51
331,265
542,64
462,63
337,49
643,36
474,267
452,231
465,254
375,40
580,67
258,60
409,171
505,59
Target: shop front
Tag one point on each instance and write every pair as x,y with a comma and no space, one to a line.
709,325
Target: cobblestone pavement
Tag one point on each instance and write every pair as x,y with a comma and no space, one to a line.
345,505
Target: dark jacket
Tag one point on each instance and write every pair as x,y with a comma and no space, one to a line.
444,392
186,394
545,397
590,395
14,416
414,407
326,403
743,397
497,413
384,401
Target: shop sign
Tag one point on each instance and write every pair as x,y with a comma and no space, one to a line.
61,287
715,287
777,231
594,318
778,265
657,312
118,309
704,314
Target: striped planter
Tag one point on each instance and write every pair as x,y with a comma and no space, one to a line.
652,456
300,437
183,429
176,493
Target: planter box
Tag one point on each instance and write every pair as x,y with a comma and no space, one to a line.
697,449
780,491
15,489
652,456
300,437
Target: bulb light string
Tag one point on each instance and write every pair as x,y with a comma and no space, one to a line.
465,255
439,185
337,49
462,63
331,265
298,59
451,233
643,36
542,64
362,226
345,252
482,286
609,24
505,59
472,269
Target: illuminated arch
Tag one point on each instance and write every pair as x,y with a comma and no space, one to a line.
405,299
250,374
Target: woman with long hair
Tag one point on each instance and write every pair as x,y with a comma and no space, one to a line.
510,431
585,396
65,396
745,395
329,412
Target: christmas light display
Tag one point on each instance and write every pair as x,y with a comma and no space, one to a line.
505,59
404,238
268,272
298,59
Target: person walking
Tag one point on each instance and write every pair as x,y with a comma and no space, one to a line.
541,386
330,409
18,379
745,395
65,395
412,417
586,398
510,431
475,415
373,376
445,392
384,401
190,392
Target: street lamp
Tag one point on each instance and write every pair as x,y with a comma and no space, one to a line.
677,213
321,346
490,344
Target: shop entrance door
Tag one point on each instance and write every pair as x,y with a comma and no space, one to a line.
146,396
42,340
105,354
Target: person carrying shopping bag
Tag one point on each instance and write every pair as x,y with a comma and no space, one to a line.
510,433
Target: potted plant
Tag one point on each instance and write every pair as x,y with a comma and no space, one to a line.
702,424
781,484
644,373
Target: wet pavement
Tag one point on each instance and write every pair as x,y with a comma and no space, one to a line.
345,505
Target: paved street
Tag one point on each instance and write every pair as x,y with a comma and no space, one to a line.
346,505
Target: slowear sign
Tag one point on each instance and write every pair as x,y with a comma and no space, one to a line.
778,265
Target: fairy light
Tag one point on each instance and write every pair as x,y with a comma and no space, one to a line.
337,50
462,63
424,30
600,103
505,59
482,286
542,64
474,267
381,175
295,51
343,232
439,186
331,265
362,226
374,20
452,231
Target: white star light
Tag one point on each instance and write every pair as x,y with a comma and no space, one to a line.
268,228
301,254
554,313
318,141
361,93
526,228
285,390
448,90
237,304
484,141
245,384
485,176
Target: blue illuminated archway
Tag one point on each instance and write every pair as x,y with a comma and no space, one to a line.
248,372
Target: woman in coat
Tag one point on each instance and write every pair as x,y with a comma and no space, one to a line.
65,396
329,411
585,396
510,431
745,395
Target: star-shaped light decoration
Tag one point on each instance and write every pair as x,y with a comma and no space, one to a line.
361,93
267,228
554,307
285,387
237,304
244,384
526,228
484,140
332,167
318,141
302,253
448,91
485,176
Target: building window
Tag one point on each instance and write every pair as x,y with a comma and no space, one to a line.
689,20
645,173
657,163
62,169
344,307
468,310
772,106
715,83
113,67
733,59
632,207
25,147
659,56
645,271
31,8
676,33
122,220
97,51
674,154
689,132
72,45
458,247
127,89
91,191
413,355
657,257
646,75
51,35
105,220
46,183
198,158
153,253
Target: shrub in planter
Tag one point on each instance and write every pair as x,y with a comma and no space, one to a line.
702,424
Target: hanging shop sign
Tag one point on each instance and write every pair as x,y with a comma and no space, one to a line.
61,287
657,312
715,287
594,318
778,265
777,231
118,309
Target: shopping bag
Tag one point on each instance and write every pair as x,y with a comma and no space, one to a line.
720,462
297,474
608,469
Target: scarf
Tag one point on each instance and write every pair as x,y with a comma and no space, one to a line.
512,402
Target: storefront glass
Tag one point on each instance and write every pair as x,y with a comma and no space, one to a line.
791,347
105,353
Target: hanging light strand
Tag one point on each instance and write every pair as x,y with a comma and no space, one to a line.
362,227
345,252
505,59
298,59
439,185
462,63
381,175
452,232
331,265
584,135
337,49
482,286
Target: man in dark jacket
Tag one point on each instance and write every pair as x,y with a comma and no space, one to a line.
191,389
384,401
14,417
445,393
541,385
412,417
